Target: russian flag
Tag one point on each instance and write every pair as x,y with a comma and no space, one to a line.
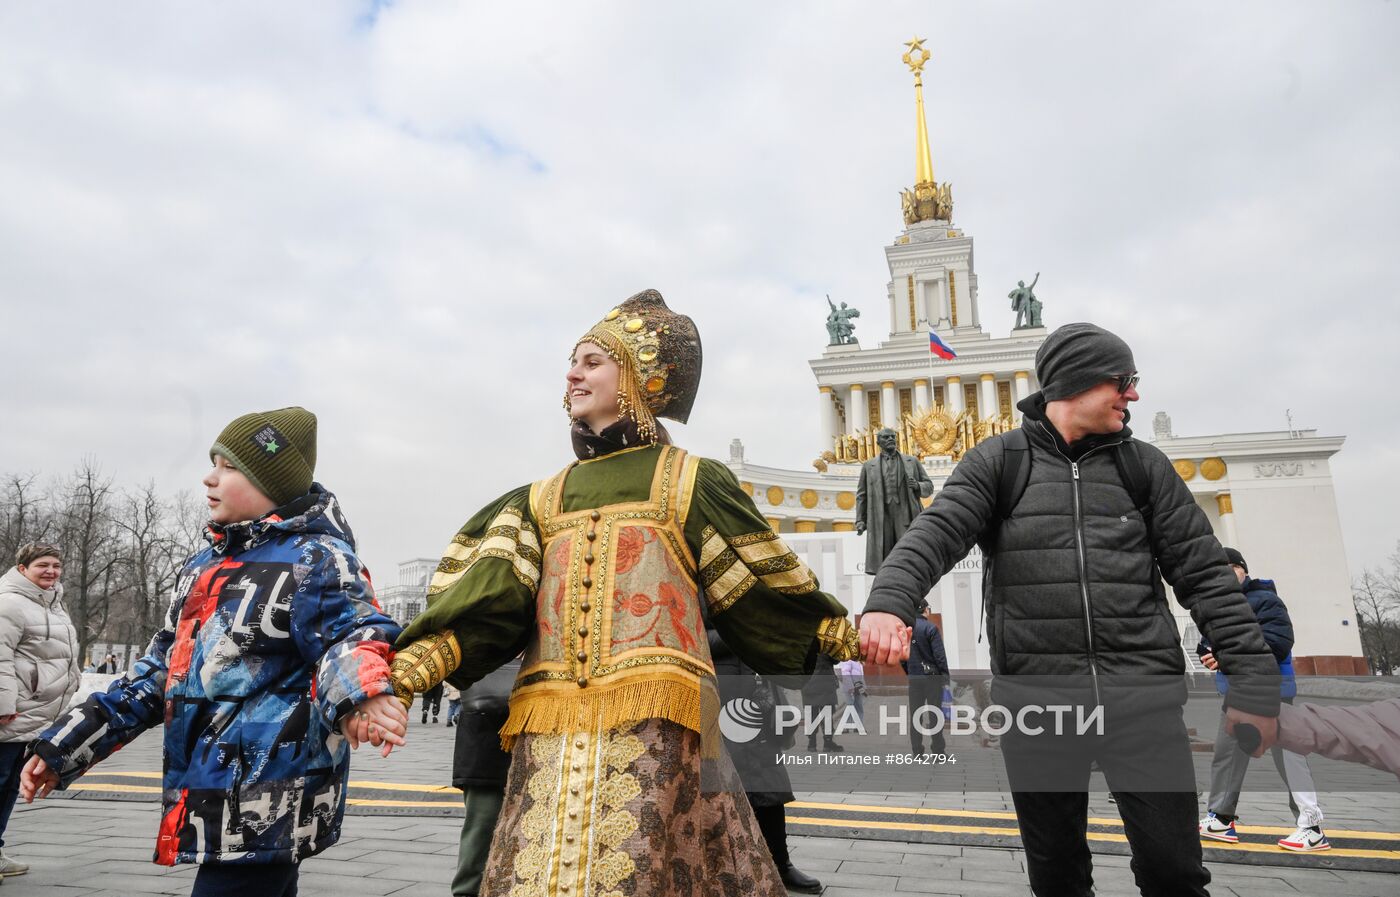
940,348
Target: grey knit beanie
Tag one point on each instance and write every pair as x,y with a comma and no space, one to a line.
1077,357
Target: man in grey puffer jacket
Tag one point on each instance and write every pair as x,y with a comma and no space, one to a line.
38,667
1072,583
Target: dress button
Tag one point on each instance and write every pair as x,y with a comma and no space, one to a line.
574,791
588,582
577,768
579,743
568,839
585,607
589,558
591,536
573,814
582,656
594,516
582,631
582,681
566,863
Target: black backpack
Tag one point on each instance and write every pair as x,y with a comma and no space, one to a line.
1016,474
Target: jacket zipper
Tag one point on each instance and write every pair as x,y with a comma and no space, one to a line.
1083,562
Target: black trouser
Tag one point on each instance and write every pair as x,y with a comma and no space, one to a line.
11,763
926,691
263,879
772,821
1161,825
432,697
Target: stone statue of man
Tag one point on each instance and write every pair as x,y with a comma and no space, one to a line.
1024,303
888,497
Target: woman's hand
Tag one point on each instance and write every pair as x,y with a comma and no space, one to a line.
379,721
36,780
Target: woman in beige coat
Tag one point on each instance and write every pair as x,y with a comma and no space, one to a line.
38,667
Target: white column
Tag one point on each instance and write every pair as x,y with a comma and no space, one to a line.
855,410
988,400
1227,519
889,405
922,394
953,396
1021,387
831,425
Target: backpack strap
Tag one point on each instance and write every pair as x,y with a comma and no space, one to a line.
1134,476
1015,472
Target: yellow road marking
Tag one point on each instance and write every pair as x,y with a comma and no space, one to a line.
1093,836
124,789
362,802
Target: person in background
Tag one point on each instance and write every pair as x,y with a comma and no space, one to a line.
38,667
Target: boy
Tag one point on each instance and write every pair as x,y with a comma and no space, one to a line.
273,655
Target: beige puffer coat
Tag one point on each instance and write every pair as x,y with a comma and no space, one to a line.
38,656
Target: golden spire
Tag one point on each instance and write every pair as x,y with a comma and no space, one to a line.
915,58
927,199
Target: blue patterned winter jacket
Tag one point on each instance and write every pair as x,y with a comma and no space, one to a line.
273,635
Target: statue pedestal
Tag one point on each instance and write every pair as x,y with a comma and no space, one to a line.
841,348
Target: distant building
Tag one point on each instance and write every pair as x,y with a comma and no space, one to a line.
406,598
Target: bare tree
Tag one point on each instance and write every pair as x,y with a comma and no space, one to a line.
92,551
23,516
1376,595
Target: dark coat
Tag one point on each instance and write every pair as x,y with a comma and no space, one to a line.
871,506
926,655
766,781
820,690
1073,585
1277,627
477,758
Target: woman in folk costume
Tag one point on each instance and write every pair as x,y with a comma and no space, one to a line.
597,573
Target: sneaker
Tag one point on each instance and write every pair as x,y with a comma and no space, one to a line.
1305,840
1214,829
9,866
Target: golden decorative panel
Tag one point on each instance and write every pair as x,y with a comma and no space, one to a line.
970,400
775,495
747,487
843,526
913,315
774,523
906,402
1185,469
872,405
1225,504
845,500
808,498
1004,398
805,526
1213,468
953,297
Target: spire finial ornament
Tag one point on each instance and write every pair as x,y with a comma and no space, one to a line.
927,200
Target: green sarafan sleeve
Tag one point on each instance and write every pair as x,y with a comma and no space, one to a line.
763,600
484,589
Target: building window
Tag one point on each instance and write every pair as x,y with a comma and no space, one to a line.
872,401
970,400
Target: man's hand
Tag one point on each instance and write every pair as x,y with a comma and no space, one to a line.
380,721
36,780
1267,726
1210,661
884,639
860,527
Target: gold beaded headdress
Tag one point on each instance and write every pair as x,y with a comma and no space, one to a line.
659,356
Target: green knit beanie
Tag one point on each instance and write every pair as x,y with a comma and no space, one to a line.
275,450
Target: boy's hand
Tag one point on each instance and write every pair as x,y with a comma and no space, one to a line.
1209,661
380,721
36,780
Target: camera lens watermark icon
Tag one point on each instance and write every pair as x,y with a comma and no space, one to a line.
740,720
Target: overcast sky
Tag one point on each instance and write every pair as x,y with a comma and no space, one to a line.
402,216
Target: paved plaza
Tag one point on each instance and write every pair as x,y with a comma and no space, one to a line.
401,838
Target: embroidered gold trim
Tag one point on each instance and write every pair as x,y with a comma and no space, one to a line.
730,567
508,537
424,664
838,639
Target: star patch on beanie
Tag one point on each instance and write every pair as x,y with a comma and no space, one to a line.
275,450
1077,357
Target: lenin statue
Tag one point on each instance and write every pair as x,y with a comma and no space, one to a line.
887,499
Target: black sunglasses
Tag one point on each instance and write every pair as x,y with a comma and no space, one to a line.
1125,381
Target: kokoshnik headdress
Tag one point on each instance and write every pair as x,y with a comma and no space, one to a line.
659,356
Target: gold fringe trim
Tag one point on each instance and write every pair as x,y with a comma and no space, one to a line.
424,664
611,707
